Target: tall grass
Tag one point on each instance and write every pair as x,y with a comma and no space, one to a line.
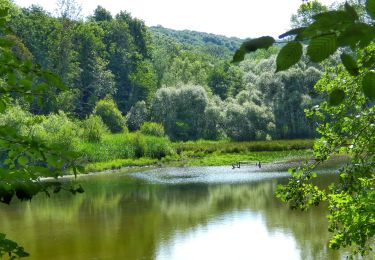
125,146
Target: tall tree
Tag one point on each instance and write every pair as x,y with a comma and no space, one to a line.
306,12
101,15
94,78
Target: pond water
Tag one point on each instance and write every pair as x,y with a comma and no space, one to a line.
173,213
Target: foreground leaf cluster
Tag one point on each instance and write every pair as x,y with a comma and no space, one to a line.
345,121
25,160
329,31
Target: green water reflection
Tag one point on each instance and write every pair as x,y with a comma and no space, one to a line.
119,217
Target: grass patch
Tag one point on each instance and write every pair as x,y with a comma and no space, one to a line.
238,147
218,158
118,164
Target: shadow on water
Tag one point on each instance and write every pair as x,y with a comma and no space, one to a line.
178,213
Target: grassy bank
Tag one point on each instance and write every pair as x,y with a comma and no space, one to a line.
116,151
238,147
219,158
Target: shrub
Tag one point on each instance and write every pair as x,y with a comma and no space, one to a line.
151,128
93,129
149,146
110,114
138,144
157,147
58,129
18,119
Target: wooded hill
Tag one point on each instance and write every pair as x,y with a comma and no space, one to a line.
194,39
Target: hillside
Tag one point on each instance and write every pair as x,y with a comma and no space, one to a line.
195,39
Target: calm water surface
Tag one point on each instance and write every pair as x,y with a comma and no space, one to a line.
176,213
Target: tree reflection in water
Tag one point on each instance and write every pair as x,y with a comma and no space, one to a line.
122,217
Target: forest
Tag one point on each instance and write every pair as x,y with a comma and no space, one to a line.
154,85
139,73
88,94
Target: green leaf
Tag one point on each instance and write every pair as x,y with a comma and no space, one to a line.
27,66
71,154
322,47
21,253
368,85
296,31
252,45
351,11
370,7
338,17
29,98
3,106
40,101
336,97
41,87
12,79
258,43
358,33
328,22
289,55
23,160
350,64
4,12
6,42
26,83
2,21
80,169
53,161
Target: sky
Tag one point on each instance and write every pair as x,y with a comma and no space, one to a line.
239,18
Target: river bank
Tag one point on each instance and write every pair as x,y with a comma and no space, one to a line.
273,155
203,159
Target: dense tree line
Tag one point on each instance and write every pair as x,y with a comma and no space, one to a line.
182,79
100,56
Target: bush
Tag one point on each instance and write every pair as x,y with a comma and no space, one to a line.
138,144
93,129
58,129
157,147
150,146
18,119
151,128
110,114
